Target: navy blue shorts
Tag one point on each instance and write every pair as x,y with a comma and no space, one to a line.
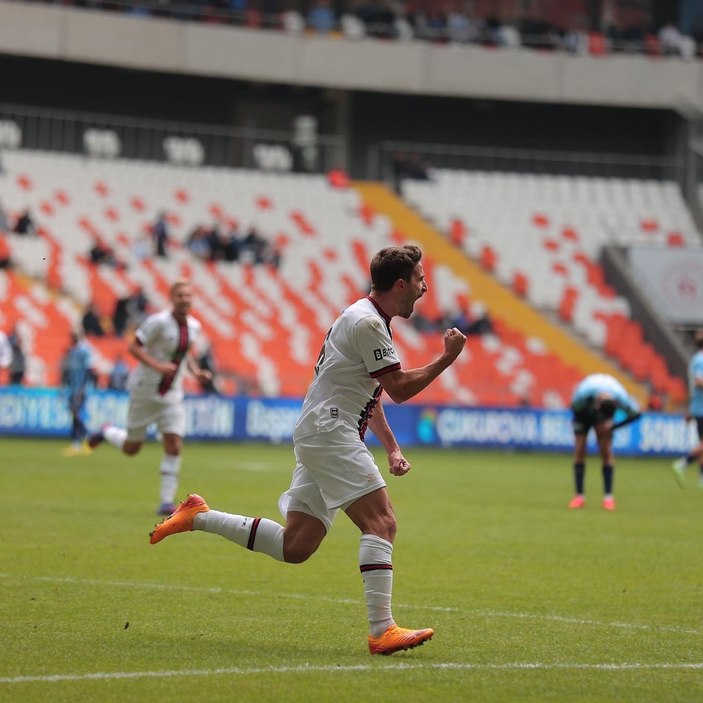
583,420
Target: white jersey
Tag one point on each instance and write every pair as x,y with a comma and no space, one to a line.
165,339
357,350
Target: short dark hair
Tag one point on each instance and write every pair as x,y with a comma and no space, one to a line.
393,263
698,339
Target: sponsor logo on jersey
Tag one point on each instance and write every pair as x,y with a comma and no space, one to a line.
383,353
334,413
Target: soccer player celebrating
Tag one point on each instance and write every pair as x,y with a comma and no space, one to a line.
162,345
594,404
334,468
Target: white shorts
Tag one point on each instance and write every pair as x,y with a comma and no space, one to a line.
169,417
332,471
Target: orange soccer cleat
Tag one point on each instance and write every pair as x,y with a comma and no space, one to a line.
181,520
577,502
609,503
396,639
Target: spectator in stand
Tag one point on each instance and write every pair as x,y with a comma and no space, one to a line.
481,322
422,323
100,253
576,38
507,36
419,22
160,235
669,38
137,307
436,26
473,322
232,244
461,319
4,221
117,380
141,247
215,243
459,27
17,362
536,32
198,243
91,324
5,351
129,311
254,245
119,316
472,27
631,38
25,224
272,255
207,363
321,18
378,18
409,166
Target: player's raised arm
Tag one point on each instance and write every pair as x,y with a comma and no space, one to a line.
401,385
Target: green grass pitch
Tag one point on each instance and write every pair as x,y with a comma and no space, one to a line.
530,601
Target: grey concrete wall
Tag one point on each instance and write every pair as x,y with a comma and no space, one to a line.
417,68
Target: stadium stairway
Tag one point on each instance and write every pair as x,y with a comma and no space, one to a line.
501,302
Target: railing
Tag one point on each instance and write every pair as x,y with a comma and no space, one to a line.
387,158
180,143
101,135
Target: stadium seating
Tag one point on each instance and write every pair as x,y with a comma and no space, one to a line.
542,235
265,323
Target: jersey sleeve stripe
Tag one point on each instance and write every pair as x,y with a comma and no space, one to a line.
384,370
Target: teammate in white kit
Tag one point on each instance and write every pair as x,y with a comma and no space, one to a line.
162,344
334,469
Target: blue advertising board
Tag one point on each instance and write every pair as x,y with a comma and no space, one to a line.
43,412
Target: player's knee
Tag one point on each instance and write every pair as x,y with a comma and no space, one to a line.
297,552
172,446
384,526
131,448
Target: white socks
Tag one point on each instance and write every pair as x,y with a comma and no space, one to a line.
257,534
375,564
170,468
116,436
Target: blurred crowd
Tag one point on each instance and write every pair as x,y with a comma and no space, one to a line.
595,28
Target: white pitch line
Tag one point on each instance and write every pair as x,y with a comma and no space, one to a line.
306,668
345,601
